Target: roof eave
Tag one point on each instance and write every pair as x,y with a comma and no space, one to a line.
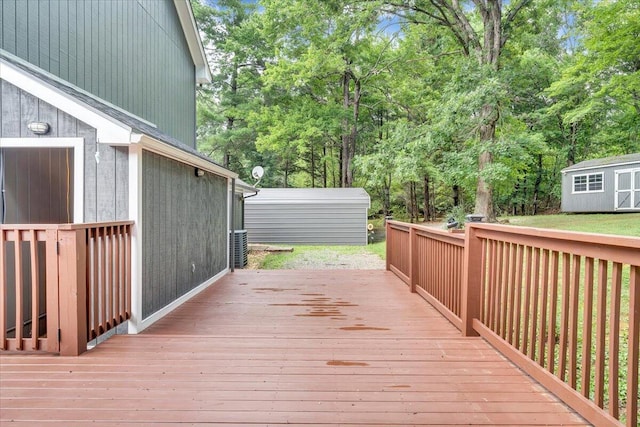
108,130
192,35
609,165
154,145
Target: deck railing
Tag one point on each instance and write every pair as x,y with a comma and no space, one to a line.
564,306
63,285
437,277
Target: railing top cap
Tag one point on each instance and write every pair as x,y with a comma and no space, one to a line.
79,226
571,236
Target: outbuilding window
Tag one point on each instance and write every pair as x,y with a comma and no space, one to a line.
588,183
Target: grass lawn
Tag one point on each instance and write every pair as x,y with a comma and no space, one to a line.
621,224
276,261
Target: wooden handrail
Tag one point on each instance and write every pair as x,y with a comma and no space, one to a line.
438,277
87,284
551,301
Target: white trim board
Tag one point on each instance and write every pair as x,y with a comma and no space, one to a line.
171,152
78,164
611,165
192,36
108,130
135,214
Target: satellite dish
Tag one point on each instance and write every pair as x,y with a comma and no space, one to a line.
257,172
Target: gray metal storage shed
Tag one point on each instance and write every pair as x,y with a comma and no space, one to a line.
335,216
610,184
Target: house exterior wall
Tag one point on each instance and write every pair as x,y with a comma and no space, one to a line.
238,211
593,202
184,230
94,45
106,183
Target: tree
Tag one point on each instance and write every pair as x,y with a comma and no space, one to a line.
485,44
234,48
326,53
598,94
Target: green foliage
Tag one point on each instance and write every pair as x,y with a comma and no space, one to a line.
314,89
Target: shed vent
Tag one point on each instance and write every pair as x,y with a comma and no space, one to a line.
239,253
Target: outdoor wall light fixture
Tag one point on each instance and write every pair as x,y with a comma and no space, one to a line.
39,128
199,172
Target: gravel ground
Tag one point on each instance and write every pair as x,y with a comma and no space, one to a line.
326,259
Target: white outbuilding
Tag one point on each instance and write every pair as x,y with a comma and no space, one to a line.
313,216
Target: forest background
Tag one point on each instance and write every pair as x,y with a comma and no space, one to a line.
433,106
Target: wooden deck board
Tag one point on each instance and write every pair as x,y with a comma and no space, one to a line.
297,348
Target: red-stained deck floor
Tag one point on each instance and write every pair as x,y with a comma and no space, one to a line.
284,347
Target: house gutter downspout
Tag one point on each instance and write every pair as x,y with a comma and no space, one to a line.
232,250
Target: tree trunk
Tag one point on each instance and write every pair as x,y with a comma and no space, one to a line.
387,195
324,166
536,186
484,191
411,205
353,136
428,209
573,142
346,133
230,119
286,174
313,168
456,195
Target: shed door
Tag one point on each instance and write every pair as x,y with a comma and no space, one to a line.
627,189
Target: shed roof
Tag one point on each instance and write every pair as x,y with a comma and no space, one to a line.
311,195
606,161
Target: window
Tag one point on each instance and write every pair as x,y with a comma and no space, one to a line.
592,182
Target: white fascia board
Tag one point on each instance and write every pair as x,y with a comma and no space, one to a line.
159,147
108,130
192,35
243,187
611,165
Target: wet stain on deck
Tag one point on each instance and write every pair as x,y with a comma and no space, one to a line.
321,314
317,304
345,363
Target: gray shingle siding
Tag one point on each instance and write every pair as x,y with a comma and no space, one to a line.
106,184
95,44
184,230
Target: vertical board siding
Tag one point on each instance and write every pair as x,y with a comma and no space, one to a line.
238,212
95,44
106,182
184,226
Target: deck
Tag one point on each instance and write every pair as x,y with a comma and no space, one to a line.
284,347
